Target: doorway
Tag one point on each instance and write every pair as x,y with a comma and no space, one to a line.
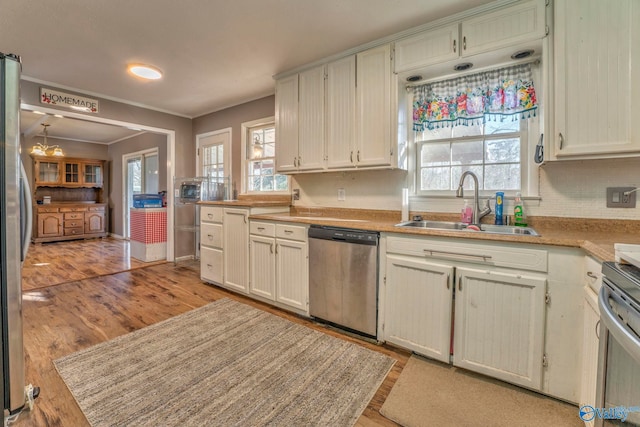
140,171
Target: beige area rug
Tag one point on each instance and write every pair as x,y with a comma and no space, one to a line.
432,394
224,364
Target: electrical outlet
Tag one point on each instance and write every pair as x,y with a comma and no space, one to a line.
621,197
341,194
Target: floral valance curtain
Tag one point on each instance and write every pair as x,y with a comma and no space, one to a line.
473,99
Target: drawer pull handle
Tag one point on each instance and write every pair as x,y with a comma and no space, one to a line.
210,236
454,46
593,276
210,216
271,247
432,252
288,231
261,228
209,266
460,283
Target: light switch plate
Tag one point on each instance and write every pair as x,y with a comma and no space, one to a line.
341,194
617,199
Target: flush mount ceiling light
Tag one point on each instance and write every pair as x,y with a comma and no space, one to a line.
145,71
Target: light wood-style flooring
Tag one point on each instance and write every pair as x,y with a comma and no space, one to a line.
66,317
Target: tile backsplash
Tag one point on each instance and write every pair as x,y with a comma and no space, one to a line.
567,189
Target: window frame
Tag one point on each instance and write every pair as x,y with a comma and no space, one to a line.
529,180
246,128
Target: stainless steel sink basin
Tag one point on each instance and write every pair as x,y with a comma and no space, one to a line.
460,226
507,229
441,225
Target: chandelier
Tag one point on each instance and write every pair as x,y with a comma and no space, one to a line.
40,149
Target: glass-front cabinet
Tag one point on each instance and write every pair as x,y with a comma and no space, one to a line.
71,173
92,173
67,172
47,173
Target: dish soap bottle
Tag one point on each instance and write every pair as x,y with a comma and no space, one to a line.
519,218
466,216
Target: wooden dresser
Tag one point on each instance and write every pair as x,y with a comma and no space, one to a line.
67,221
77,209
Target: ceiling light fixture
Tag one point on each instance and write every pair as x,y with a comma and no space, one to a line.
40,149
145,71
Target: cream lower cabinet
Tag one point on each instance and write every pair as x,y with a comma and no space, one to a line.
236,249
224,245
279,266
418,305
211,245
499,325
590,349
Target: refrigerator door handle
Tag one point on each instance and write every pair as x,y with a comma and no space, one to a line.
26,217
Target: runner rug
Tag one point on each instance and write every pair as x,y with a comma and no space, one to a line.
224,364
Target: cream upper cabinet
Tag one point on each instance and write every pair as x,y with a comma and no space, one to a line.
486,32
427,48
341,112
373,108
504,27
311,119
287,124
596,85
300,121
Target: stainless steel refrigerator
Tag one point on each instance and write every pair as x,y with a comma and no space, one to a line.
15,233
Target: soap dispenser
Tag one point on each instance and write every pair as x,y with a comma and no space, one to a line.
519,217
466,216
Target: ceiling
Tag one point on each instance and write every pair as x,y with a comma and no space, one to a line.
214,53
72,129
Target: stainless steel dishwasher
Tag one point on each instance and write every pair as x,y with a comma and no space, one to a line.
343,277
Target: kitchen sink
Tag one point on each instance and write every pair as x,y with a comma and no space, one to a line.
460,226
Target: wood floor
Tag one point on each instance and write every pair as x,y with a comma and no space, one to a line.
64,318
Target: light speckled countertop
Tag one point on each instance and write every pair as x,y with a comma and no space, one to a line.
595,236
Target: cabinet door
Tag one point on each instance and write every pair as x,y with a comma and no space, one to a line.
590,349
505,27
92,174
596,44
418,302
499,325
292,274
236,249
94,222
373,96
50,225
71,173
211,265
46,172
262,269
427,48
341,112
311,113
287,124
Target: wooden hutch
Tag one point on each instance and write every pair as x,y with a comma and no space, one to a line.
77,209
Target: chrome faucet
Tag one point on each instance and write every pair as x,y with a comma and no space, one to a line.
477,213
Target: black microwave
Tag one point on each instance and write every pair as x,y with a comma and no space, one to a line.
190,191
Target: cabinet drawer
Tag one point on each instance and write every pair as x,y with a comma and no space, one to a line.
73,215
73,223
211,265
211,235
73,209
593,274
74,231
96,209
292,232
510,255
211,214
262,228
47,210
